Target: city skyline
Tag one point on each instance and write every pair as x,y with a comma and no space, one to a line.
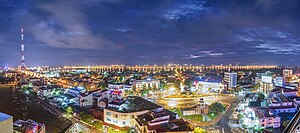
105,32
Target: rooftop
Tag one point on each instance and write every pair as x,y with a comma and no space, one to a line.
283,107
28,126
262,113
77,88
4,117
163,124
133,104
280,89
296,98
290,90
89,92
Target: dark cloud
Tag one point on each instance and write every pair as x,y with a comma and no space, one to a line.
151,32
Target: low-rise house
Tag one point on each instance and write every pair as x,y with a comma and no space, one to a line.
93,98
267,118
123,112
89,98
284,109
76,91
290,92
296,101
28,126
280,100
282,104
44,91
161,120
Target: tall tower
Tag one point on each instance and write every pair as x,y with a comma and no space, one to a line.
23,66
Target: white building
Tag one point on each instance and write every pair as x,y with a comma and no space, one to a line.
115,86
266,83
258,77
147,84
119,86
44,92
121,119
93,98
231,79
287,73
87,99
123,112
6,123
205,87
279,81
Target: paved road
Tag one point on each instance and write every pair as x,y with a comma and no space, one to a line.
223,123
190,102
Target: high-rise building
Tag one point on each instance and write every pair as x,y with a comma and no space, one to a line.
266,83
287,73
231,79
258,77
279,81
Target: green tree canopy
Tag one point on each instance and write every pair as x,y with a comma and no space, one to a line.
260,96
217,108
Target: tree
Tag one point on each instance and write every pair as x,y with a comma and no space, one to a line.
240,117
126,128
217,108
86,117
69,110
112,130
260,96
129,92
209,89
199,130
164,85
144,92
98,124
177,84
188,82
285,123
103,85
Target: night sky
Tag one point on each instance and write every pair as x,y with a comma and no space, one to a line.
130,32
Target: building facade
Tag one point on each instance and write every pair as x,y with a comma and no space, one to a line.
146,84
231,79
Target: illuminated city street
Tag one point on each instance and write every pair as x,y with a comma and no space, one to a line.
189,102
149,66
